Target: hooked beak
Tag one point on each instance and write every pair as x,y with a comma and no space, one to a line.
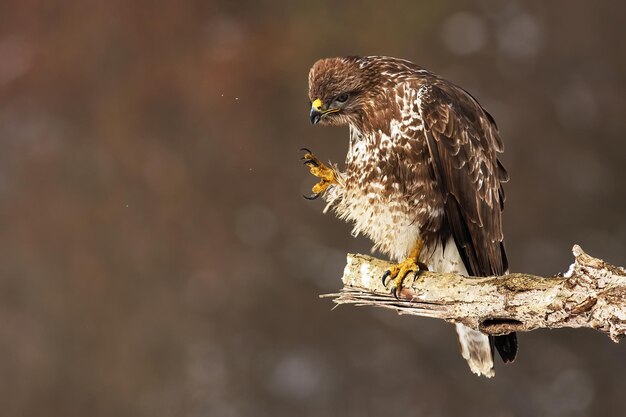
315,116
316,111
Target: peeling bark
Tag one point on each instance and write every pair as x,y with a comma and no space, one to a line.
591,294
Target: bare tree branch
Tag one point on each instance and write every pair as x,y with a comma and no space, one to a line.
591,294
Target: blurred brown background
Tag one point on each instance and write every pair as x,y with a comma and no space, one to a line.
157,258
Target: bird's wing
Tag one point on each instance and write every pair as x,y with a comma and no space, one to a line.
463,142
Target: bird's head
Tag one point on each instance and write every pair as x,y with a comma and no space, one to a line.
339,89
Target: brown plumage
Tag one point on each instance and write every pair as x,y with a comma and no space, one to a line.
422,164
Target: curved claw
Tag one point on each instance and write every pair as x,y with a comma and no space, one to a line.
306,150
394,291
312,196
386,275
310,161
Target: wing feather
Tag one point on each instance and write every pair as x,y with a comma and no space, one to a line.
463,142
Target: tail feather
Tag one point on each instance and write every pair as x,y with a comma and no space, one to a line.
506,346
476,350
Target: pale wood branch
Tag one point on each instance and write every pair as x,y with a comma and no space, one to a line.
591,294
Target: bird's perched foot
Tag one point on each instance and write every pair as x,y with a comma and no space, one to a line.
325,174
399,272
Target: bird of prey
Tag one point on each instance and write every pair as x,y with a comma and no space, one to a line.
421,179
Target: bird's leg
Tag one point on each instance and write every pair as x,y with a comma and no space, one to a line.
411,264
325,174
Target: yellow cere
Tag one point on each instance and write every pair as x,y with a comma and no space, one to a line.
317,104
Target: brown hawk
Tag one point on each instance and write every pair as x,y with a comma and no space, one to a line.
421,180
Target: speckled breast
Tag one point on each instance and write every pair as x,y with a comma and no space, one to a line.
389,194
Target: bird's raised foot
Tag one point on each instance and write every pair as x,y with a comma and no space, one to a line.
325,174
399,272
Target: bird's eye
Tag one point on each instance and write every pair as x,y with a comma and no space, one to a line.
342,98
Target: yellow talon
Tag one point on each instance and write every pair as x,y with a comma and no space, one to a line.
325,174
400,271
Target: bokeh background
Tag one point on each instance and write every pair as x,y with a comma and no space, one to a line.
156,256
